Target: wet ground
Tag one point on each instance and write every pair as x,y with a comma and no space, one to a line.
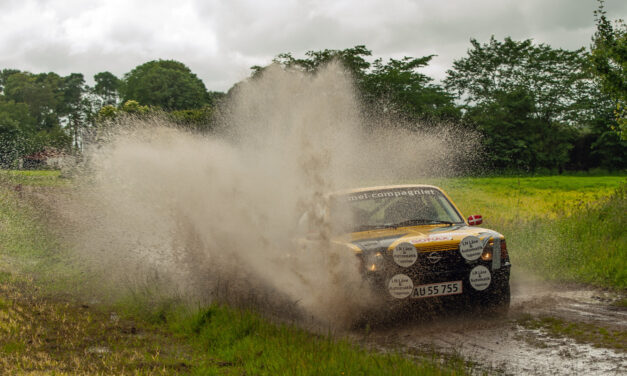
505,345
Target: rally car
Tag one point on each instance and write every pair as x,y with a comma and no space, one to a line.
413,243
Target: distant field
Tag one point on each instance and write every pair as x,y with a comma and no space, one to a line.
569,228
512,198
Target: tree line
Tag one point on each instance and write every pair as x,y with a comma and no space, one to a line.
536,107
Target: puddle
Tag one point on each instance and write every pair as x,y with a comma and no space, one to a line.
499,345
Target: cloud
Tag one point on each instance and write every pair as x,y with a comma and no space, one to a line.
220,40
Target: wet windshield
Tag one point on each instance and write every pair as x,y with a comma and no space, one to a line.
391,208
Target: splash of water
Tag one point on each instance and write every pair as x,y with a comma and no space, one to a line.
216,217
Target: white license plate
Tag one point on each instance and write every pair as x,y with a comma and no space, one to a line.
437,289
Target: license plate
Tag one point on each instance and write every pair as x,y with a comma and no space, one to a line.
437,289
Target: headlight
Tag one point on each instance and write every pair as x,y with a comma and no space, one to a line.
374,262
487,251
489,248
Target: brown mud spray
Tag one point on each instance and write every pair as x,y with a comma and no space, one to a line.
215,218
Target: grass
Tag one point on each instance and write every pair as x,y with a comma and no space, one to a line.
56,336
510,199
36,178
26,245
249,345
41,334
567,228
22,237
45,330
581,332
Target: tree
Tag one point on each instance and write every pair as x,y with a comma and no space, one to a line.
351,58
107,86
4,75
130,107
555,78
17,127
412,92
550,87
41,92
609,62
73,105
167,84
515,138
19,113
397,84
196,119
12,141
215,97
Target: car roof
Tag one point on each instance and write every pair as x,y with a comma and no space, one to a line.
382,188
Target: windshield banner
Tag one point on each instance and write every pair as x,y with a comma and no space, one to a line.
392,193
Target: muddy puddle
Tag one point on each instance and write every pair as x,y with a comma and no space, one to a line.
501,345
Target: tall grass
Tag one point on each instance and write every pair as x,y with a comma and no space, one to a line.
566,228
587,243
248,344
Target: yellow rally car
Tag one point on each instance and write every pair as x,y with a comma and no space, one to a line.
415,244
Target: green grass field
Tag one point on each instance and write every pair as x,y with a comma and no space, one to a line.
565,228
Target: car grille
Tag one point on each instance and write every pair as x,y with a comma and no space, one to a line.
448,260
449,256
442,260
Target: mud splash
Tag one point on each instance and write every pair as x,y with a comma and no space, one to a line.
215,217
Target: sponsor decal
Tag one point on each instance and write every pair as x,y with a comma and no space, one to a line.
471,247
405,254
400,286
375,243
480,278
431,238
392,193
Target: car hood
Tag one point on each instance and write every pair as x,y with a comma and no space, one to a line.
424,238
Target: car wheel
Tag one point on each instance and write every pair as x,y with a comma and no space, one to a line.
498,300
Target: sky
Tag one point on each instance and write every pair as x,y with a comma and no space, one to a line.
221,40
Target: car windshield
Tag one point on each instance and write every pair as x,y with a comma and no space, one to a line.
361,211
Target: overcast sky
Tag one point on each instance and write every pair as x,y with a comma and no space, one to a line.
220,40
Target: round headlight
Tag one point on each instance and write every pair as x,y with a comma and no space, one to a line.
374,261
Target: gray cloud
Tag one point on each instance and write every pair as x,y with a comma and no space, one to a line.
220,40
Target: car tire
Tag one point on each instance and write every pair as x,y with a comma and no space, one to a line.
498,300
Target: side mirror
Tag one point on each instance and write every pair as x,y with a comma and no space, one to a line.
475,220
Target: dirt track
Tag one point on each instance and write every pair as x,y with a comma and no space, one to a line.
504,346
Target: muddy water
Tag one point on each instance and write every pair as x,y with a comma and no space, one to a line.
499,345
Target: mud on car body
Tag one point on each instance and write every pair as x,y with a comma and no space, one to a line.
414,244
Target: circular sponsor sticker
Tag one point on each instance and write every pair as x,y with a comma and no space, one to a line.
480,278
400,286
471,247
405,254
